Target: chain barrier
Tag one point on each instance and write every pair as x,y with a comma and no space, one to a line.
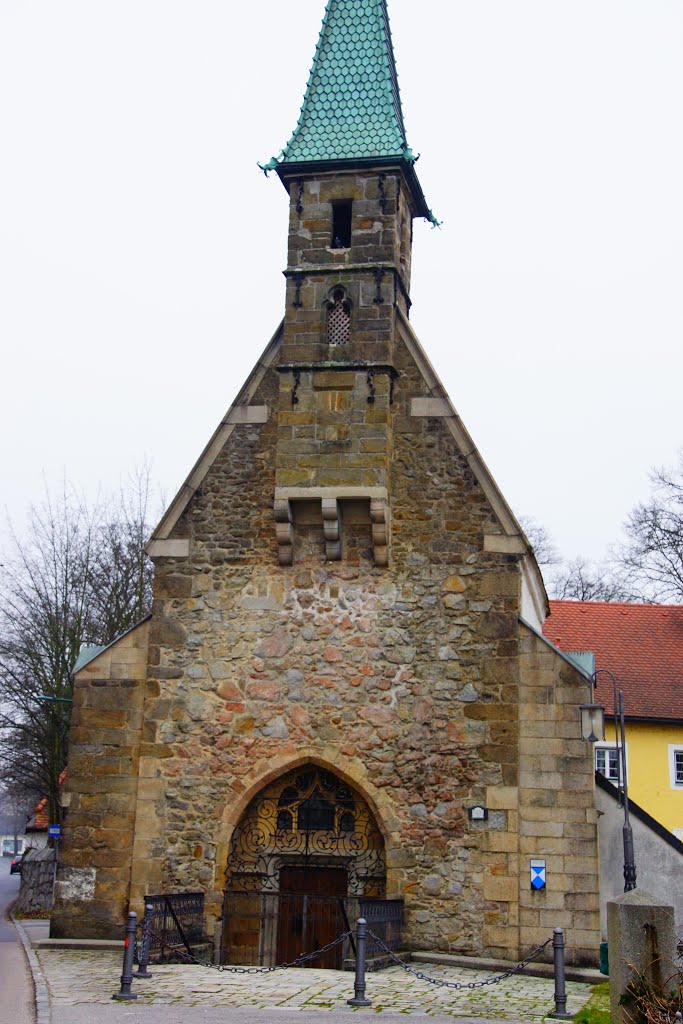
300,960
442,983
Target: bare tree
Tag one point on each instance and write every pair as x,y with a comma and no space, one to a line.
541,541
583,580
652,557
78,575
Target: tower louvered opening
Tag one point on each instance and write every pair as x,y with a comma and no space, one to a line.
338,320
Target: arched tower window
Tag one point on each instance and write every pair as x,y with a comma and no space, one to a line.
338,318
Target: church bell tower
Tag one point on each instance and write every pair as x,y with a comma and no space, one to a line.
353,195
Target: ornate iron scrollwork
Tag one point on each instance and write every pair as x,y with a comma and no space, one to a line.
309,818
297,382
370,377
382,193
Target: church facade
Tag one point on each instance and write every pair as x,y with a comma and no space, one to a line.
342,689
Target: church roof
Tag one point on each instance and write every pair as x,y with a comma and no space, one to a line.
352,107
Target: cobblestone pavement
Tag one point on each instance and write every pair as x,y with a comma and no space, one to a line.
79,977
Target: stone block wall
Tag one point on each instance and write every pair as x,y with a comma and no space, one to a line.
93,880
37,881
403,680
415,683
382,230
557,813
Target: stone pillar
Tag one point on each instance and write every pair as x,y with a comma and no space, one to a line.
642,941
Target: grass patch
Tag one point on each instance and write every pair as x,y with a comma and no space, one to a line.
596,1010
32,915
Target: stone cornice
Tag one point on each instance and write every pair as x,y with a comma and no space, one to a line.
326,269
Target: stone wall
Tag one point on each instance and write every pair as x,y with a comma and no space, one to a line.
341,588
557,814
93,880
403,680
37,881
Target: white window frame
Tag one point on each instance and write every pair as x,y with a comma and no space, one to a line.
609,746
674,748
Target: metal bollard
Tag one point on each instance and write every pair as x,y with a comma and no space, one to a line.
560,1011
359,997
145,941
128,954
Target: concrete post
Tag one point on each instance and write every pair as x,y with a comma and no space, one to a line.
642,940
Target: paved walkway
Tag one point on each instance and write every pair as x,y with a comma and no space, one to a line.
81,984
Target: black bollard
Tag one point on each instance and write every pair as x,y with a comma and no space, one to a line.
359,997
145,941
128,954
560,1012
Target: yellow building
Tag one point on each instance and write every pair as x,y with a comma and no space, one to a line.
642,646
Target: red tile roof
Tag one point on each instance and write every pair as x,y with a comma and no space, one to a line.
642,644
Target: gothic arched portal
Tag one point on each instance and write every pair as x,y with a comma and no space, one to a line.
306,849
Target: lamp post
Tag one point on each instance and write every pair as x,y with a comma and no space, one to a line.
593,729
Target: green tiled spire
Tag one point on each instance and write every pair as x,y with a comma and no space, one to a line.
352,108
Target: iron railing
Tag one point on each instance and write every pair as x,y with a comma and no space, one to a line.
385,922
177,920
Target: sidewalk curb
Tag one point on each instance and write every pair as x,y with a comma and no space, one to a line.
42,997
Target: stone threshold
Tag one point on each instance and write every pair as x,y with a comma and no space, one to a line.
589,975
77,943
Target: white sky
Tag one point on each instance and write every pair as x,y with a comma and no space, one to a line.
141,249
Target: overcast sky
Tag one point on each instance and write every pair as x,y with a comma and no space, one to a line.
141,250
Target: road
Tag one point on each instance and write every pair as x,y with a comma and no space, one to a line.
16,985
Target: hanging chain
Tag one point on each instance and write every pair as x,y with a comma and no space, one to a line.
442,983
300,960
308,957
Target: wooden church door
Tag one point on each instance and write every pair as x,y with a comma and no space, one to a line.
311,913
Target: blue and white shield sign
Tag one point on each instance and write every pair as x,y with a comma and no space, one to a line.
538,874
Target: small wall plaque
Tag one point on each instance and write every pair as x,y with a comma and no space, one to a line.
537,874
478,813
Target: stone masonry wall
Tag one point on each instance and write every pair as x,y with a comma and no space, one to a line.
93,880
36,890
402,680
381,238
558,817
415,683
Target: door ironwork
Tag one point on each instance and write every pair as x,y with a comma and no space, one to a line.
308,817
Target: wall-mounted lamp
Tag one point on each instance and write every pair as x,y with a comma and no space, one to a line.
592,722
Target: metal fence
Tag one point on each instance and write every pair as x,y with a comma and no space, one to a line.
264,929
177,920
385,920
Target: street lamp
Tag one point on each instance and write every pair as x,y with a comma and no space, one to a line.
593,729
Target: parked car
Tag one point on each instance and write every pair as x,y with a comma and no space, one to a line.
15,866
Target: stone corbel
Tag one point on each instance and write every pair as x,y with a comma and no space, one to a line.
331,510
379,517
284,531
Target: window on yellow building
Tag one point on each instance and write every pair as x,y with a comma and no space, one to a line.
607,762
676,766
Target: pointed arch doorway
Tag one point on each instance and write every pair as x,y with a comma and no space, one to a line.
305,853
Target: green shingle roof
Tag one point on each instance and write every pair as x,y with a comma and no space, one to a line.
352,106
